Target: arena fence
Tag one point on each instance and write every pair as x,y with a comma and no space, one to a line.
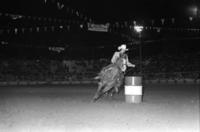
168,78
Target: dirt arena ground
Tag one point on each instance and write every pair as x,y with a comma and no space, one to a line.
68,108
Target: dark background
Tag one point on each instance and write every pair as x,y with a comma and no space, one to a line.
80,43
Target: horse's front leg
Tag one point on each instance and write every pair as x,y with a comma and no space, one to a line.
114,90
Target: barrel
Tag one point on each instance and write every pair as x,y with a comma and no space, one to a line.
133,89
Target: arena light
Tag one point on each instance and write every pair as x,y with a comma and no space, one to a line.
61,27
56,49
192,10
4,42
138,28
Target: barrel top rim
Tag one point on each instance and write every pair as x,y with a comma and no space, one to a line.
133,76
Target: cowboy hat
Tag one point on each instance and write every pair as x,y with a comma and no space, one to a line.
122,47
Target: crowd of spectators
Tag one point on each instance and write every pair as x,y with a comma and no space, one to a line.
179,66
48,70
154,67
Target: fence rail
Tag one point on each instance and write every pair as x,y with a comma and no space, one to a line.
175,77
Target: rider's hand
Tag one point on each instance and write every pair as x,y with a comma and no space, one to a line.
133,65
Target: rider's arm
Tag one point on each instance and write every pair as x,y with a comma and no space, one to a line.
115,57
128,63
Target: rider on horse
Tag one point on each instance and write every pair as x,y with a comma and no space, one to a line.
111,77
121,54
120,59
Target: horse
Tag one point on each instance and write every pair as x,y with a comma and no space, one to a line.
110,79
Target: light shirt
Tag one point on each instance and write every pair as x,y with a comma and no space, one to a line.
125,61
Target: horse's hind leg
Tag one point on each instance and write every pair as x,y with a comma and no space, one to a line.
107,89
103,90
98,92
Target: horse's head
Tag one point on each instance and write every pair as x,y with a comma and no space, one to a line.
120,62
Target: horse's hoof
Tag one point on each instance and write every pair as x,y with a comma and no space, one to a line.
111,94
94,100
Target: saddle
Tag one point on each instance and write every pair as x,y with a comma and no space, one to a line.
112,71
